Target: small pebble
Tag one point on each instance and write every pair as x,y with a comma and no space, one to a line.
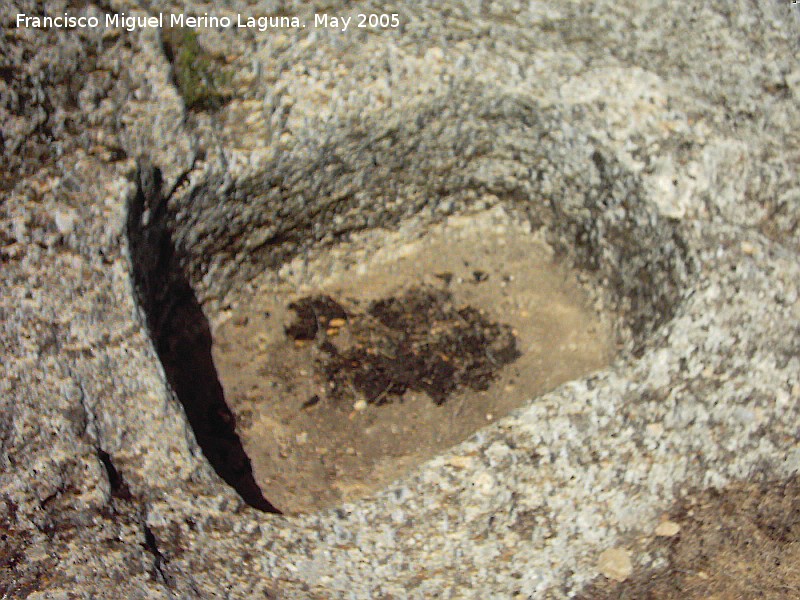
460,462
65,222
615,563
667,529
655,429
748,248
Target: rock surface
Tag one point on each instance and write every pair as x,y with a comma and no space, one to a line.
654,143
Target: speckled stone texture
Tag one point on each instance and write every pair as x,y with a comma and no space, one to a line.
654,144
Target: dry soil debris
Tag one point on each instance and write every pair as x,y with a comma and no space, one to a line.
417,340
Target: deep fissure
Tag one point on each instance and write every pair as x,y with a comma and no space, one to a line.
182,337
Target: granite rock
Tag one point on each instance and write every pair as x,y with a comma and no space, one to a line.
654,145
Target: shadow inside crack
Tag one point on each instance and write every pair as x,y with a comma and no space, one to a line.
182,338
184,346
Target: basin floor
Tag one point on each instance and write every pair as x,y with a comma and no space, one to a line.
311,450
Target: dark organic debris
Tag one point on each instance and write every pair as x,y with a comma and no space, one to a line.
417,341
479,276
446,276
312,401
314,314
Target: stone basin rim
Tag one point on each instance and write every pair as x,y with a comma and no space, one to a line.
213,232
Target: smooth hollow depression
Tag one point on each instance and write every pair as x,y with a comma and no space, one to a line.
372,296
